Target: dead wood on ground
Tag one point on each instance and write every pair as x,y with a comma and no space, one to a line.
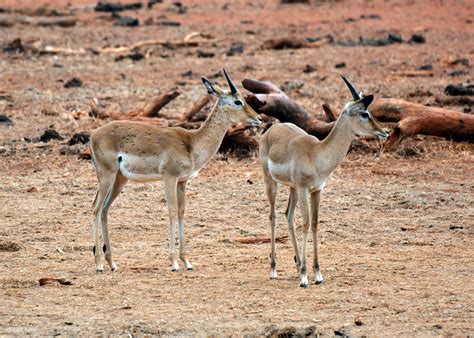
260,239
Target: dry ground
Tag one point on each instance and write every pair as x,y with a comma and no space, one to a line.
396,230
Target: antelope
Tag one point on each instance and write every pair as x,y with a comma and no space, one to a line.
289,156
132,151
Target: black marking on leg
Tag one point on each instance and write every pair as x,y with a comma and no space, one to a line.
273,264
295,259
93,250
120,159
104,248
303,270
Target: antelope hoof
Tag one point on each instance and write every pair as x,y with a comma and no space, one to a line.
175,266
318,279
99,268
188,266
113,266
304,281
273,274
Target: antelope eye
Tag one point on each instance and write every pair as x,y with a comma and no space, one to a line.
238,103
364,115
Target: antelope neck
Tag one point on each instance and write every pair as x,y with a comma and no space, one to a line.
208,138
333,149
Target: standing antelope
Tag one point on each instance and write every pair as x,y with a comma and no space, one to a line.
125,150
290,156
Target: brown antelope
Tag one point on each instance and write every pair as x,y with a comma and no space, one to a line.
125,150
290,156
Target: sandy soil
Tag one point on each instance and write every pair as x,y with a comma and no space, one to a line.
396,228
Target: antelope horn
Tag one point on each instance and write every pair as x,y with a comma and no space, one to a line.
354,93
233,88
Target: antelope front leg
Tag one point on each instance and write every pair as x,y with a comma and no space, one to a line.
171,184
181,208
303,199
315,199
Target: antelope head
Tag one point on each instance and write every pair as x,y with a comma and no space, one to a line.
363,122
232,102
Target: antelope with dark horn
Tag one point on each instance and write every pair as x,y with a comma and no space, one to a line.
291,157
131,151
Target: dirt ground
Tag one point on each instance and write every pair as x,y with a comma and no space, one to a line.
396,228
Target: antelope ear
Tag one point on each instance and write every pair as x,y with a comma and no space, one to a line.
212,88
366,101
360,105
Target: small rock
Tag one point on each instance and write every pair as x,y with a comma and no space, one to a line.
426,67
15,46
73,83
250,182
204,54
358,321
152,3
32,189
292,85
81,138
68,323
126,21
456,227
236,48
169,23
116,7
458,72
438,326
309,69
395,38
135,56
246,22
459,90
189,73
417,38
181,8
50,134
5,120
9,246
371,16
340,65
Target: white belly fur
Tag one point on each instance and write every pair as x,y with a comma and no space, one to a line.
280,173
145,169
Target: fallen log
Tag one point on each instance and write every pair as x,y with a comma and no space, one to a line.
51,280
271,101
292,43
413,119
187,41
196,108
153,108
260,239
240,140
